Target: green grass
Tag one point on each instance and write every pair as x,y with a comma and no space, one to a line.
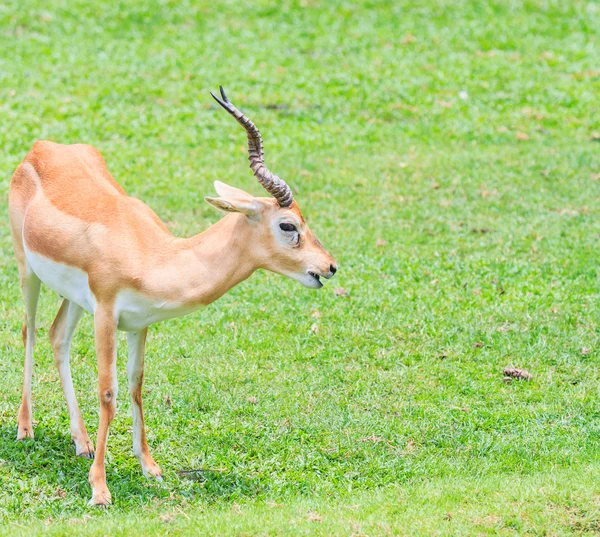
444,152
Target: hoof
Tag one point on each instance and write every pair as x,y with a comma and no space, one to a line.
152,470
24,433
85,450
100,498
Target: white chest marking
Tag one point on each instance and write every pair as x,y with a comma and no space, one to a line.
133,310
67,281
136,311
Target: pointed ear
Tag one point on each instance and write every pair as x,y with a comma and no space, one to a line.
249,207
226,191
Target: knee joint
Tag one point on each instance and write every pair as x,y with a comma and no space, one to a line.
28,330
56,340
136,394
108,397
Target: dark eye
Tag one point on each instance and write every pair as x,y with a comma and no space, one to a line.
287,227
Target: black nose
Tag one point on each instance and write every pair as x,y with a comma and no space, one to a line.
333,269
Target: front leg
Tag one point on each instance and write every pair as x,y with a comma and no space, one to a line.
136,342
105,330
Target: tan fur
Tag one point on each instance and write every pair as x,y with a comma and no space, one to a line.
61,333
65,206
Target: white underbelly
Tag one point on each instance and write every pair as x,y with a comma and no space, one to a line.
69,282
133,310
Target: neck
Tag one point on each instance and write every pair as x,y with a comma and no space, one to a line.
211,263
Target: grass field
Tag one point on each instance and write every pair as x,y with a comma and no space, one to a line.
448,155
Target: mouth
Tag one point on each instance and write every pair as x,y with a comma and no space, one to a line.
310,279
315,276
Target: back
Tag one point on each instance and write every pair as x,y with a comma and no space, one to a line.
65,205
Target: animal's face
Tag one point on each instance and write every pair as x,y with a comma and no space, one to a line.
283,242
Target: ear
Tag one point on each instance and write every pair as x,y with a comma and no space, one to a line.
247,206
226,191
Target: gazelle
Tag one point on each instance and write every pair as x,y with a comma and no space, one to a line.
75,229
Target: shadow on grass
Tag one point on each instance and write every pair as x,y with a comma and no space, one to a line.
218,485
49,460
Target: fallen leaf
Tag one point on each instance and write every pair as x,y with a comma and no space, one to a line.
410,448
596,176
380,243
378,440
168,401
314,328
568,212
590,73
373,438
522,136
316,314
408,39
485,193
585,351
252,400
485,53
545,173
595,137
517,373
435,186
167,518
314,517
340,291
478,344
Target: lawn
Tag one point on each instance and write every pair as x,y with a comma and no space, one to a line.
448,155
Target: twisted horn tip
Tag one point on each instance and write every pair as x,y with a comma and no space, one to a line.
223,94
224,105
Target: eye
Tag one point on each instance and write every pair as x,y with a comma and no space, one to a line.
287,227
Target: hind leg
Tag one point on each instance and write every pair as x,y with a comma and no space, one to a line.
135,371
30,285
61,335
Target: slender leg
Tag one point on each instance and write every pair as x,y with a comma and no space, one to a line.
61,335
136,342
30,285
105,328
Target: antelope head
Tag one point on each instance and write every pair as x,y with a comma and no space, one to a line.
282,241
